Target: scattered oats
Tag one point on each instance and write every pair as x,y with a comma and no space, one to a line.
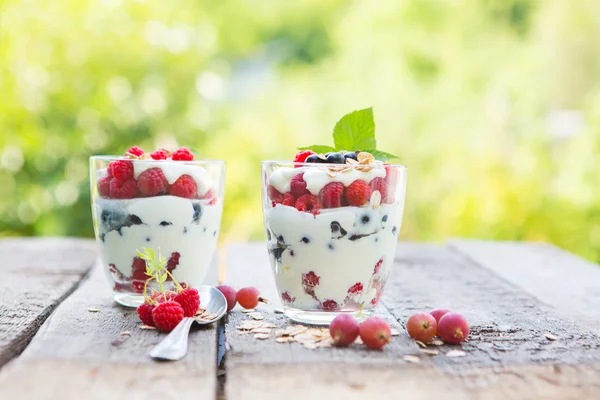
93,309
295,330
551,337
248,325
375,199
148,327
325,343
261,330
394,332
331,173
436,342
248,311
364,169
430,352
280,333
256,315
421,344
358,340
278,311
305,337
455,353
126,333
261,336
411,359
283,339
310,345
268,325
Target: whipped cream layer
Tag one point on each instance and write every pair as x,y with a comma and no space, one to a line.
173,170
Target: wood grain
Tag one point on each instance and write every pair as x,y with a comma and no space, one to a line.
37,274
98,355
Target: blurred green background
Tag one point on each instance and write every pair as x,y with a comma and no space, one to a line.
494,105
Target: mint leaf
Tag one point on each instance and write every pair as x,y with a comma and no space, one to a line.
317,148
381,155
355,131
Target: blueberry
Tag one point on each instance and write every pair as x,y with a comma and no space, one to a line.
314,158
394,229
330,246
337,228
305,240
147,239
385,217
184,229
197,213
165,223
102,236
365,219
269,235
336,158
215,234
351,155
292,253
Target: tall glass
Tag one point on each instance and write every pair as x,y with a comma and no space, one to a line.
332,232
183,224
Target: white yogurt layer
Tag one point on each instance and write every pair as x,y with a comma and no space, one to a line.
173,170
173,224
316,177
341,246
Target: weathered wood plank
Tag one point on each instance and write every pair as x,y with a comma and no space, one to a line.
98,355
508,355
37,274
566,282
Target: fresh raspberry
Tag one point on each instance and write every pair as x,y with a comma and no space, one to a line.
329,305
160,154
184,186
135,151
145,313
308,202
289,200
189,300
104,186
301,156
297,185
381,185
377,266
310,281
356,288
123,189
167,315
275,194
182,154
173,262
358,193
331,195
152,182
138,270
121,170
287,298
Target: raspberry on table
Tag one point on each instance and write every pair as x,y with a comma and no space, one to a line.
308,202
182,154
152,182
160,154
144,311
356,288
123,189
167,315
189,300
358,193
289,200
135,151
297,185
184,186
274,194
104,186
329,305
301,156
121,169
332,195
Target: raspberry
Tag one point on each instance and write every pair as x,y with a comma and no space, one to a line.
274,194
329,305
121,169
381,185
184,186
104,186
289,200
301,156
167,315
356,288
287,298
123,189
160,154
152,182
182,154
309,282
161,297
308,202
135,151
331,195
173,261
297,185
189,300
358,193
145,313
377,266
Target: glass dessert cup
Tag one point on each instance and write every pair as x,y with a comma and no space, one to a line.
331,239
184,230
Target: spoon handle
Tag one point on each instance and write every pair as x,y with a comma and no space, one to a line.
174,346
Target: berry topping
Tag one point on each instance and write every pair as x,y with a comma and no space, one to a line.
351,155
135,151
421,326
123,189
308,202
331,195
310,281
375,333
184,186
145,313
249,297
301,156
329,305
121,169
230,295
453,328
377,266
381,185
104,186
358,193
344,330
160,154
356,288
287,297
167,315
316,158
274,194
289,200
297,185
182,154
335,158
152,182
173,262
189,300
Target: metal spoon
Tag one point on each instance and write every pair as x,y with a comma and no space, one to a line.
174,346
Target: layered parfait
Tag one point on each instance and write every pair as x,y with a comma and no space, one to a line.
160,200
332,222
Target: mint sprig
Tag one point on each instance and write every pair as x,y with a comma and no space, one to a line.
156,269
354,131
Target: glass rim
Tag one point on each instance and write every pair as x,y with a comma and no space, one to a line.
302,164
115,158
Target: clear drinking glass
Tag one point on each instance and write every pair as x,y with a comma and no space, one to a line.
331,239
184,229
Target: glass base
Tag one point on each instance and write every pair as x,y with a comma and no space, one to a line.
322,317
128,299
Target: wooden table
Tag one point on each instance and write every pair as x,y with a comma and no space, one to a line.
62,337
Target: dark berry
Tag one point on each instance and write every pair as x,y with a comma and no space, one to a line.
335,158
351,155
314,159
